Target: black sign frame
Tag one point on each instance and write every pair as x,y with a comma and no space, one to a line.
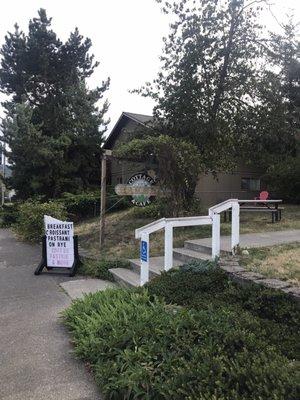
43,263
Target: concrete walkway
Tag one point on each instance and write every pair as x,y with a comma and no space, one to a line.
36,360
262,239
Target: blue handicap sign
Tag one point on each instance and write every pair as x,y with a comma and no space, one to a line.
144,251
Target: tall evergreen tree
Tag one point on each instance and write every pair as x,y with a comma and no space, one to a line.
50,99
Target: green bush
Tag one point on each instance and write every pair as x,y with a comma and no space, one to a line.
198,279
283,178
141,348
82,205
160,208
87,204
100,268
201,286
30,222
155,210
9,214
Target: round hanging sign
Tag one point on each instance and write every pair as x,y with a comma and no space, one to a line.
141,180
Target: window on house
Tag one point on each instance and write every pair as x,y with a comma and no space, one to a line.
251,184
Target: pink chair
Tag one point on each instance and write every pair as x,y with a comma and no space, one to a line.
264,195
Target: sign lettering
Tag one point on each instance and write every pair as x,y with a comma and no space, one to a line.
59,242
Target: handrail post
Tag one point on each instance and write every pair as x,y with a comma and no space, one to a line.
144,277
215,235
235,226
168,246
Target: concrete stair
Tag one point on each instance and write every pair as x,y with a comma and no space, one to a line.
191,251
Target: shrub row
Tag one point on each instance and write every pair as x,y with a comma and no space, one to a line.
85,205
203,285
139,347
27,217
30,220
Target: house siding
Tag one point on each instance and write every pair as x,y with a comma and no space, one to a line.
210,189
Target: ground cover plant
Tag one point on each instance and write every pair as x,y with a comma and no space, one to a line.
191,334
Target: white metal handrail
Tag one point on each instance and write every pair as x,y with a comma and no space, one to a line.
169,223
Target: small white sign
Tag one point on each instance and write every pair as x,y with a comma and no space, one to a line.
59,242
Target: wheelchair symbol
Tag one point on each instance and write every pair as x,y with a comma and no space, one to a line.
144,251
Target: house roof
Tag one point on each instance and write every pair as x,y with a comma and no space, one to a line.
141,119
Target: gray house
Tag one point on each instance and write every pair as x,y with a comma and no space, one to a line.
243,183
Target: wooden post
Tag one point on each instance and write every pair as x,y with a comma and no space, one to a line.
215,235
168,247
103,199
3,174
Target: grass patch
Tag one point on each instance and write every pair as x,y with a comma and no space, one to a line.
282,262
191,334
120,227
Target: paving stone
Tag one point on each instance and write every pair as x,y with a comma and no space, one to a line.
275,283
78,288
236,264
294,290
251,276
232,268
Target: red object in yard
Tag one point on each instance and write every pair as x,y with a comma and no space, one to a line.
264,195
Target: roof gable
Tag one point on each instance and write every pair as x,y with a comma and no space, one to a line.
140,119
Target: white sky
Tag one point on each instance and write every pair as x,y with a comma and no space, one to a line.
126,36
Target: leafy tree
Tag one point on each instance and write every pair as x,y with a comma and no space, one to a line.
52,110
208,75
178,165
271,126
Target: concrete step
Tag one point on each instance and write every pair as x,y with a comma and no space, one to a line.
186,255
156,265
204,246
125,277
196,246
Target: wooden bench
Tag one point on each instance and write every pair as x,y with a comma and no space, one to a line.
275,212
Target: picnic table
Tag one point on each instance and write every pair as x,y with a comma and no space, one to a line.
271,206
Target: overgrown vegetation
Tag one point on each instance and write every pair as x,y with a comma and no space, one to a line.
119,235
178,162
192,334
74,207
100,268
30,220
9,214
283,178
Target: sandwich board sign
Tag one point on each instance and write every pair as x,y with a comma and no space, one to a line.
60,246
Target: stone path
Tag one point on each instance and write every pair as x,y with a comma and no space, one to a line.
36,359
76,289
262,239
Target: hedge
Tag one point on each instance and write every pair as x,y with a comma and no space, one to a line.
141,348
30,220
